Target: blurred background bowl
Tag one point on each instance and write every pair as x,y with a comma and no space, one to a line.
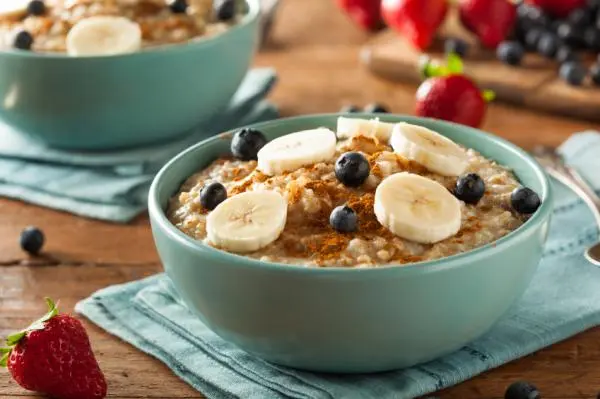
351,320
101,103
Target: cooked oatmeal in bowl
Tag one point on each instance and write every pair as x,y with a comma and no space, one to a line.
370,194
106,27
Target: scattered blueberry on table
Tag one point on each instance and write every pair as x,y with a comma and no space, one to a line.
343,219
376,108
532,38
178,6
212,195
522,390
349,109
469,188
456,46
246,143
36,7
525,201
510,52
352,169
32,240
225,10
573,73
23,40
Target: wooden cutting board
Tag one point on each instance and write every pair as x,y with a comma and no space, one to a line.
535,84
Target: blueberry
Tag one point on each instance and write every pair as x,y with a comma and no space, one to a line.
352,169
533,16
212,195
580,17
178,6
343,219
246,143
376,108
36,7
349,109
469,188
510,53
23,40
548,45
595,74
525,200
522,390
32,240
571,35
532,38
592,38
566,54
573,73
225,10
457,46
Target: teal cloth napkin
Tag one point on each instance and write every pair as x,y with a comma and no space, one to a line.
113,185
563,300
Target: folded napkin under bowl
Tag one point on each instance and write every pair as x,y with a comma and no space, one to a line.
351,320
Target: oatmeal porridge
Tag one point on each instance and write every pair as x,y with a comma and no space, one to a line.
102,27
370,194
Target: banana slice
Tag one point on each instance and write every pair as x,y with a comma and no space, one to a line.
13,8
295,150
350,127
104,35
432,150
416,208
247,222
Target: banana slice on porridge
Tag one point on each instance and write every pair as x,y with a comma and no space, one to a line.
247,222
417,208
350,127
13,8
295,150
437,153
104,35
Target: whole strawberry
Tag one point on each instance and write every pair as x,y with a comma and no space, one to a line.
416,20
558,8
365,13
53,356
490,20
451,96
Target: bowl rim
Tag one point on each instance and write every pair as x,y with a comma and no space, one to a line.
251,15
158,215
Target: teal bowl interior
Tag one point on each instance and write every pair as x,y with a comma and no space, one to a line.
100,103
351,320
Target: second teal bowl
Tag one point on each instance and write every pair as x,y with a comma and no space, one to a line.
101,103
351,320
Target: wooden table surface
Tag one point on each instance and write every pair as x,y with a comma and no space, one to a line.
315,50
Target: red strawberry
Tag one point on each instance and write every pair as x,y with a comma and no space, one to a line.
451,96
558,8
416,20
490,20
366,13
53,356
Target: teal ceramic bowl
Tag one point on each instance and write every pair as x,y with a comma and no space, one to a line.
351,320
100,103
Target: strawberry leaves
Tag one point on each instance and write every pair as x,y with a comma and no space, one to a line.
432,68
14,338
